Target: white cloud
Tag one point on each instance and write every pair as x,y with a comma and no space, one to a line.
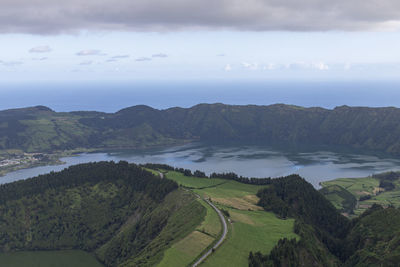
228,67
90,52
307,66
87,62
40,49
40,58
347,66
143,59
120,56
251,66
320,66
160,55
10,63
271,66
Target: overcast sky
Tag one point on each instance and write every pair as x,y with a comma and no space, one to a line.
199,39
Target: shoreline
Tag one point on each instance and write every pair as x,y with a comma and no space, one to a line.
54,158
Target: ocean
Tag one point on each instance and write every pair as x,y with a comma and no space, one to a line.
113,96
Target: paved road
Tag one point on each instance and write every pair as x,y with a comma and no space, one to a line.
225,231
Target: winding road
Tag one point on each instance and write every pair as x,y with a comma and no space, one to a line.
225,231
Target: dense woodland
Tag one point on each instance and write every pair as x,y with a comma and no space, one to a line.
120,212
41,129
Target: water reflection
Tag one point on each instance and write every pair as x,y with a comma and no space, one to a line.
252,161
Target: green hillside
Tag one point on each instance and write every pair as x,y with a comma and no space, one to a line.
40,129
250,227
382,189
120,213
326,237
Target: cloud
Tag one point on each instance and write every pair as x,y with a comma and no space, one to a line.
116,58
320,66
307,66
228,67
87,62
40,49
160,55
143,59
251,66
10,63
90,52
120,57
40,58
272,66
54,17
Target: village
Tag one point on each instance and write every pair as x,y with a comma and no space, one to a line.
18,160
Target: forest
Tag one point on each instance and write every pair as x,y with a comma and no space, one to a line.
117,211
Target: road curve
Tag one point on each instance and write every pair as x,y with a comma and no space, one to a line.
225,231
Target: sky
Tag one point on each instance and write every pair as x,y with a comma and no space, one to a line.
123,40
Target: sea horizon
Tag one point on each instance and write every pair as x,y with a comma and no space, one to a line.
113,96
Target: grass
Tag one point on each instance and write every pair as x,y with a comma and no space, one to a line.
185,251
156,173
193,182
227,192
252,229
211,224
365,186
190,247
61,258
356,186
189,213
341,198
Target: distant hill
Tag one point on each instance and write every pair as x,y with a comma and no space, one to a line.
40,129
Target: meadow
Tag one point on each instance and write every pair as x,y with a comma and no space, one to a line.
367,186
250,228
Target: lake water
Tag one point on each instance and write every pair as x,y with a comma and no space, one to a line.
251,161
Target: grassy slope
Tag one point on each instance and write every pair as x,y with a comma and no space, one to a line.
251,230
183,252
180,224
366,186
64,258
342,199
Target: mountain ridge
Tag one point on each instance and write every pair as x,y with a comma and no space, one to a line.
141,126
